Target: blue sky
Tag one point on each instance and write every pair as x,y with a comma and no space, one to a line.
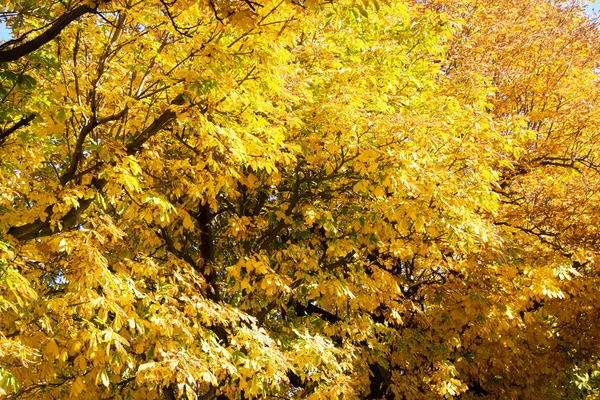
3,32
5,35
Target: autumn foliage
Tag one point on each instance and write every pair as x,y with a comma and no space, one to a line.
230,199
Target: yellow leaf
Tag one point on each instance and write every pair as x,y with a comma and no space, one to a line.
51,350
80,363
187,222
77,387
104,378
379,192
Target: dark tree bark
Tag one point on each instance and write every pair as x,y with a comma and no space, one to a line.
57,27
18,125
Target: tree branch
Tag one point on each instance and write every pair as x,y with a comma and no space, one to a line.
40,228
57,27
165,118
83,134
18,125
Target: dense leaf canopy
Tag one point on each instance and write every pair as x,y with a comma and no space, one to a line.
230,199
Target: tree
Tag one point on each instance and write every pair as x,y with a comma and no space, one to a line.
298,200
545,87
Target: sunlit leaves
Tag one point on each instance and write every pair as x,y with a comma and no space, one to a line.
300,200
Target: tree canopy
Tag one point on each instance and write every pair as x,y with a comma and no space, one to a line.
230,199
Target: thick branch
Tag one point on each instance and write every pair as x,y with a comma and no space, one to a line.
40,228
302,311
21,123
78,152
380,382
83,134
204,219
165,118
52,32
